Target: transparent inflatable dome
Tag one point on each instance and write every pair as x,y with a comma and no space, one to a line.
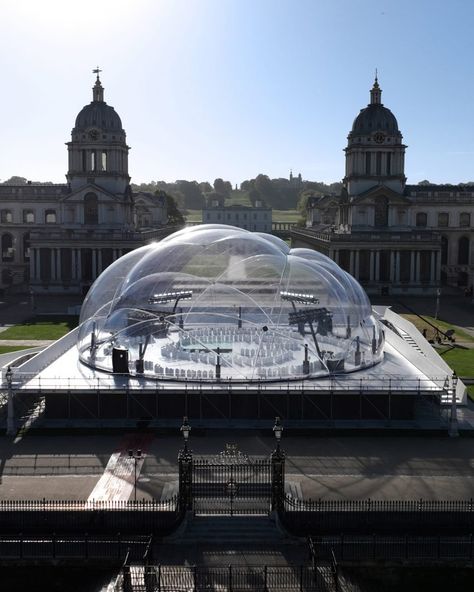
217,303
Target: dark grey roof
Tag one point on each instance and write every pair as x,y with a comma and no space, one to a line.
98,114
375,117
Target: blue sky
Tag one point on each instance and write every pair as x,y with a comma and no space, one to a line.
233,88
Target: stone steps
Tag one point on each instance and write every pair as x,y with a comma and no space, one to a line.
231,529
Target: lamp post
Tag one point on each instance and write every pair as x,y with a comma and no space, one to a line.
453,418
185,461
278,467
10,410
136,456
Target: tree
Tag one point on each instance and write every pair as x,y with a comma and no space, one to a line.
175,217
16,181
221,187
193,198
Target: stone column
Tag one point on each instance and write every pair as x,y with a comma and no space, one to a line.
59,274
392,267
99,262
412,267
38,264
73,264
78,264
372,258
397,267
432,268
53,263
351,262
94,263
377,266
417,272
356,271
32,264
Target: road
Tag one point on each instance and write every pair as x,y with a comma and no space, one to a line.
69,466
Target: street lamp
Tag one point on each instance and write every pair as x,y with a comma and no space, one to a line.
10,410
453,419
185,430
278,468
185,464
136,456
277,431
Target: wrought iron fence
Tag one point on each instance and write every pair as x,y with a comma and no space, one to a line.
311,517
112,549
235,578
94,517
393,548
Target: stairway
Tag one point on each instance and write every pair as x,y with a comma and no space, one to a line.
254,530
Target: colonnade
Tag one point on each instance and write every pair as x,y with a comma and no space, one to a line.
419,266
70,264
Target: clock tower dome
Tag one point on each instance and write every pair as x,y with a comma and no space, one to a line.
375,153
98,151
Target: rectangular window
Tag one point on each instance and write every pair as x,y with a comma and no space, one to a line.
443,219
465,219
379,163
367,163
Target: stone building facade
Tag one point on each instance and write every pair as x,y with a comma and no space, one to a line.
257,218
57,238
393,237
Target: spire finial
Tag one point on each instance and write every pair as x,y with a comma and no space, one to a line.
376,92
97,70
97,90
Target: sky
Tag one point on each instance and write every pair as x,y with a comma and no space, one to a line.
234,88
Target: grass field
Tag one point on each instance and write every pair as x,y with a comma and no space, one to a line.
6,349
277,215
459,334
460,360
45,327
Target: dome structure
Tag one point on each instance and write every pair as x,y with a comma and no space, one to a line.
375,117
218,303
98,114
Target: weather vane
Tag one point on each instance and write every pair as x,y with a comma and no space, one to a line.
96,71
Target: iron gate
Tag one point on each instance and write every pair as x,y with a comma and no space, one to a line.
231,483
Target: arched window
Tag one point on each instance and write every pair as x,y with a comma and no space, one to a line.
50,217
8,251
421,219
26,246
463,251
91,209
6,217
28,217
104,160
464,219
444,250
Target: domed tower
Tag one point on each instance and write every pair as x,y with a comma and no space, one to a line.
375,154
98,151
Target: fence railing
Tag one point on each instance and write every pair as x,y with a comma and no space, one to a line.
94,517
368,384
393,548
82,547
236,578
309,517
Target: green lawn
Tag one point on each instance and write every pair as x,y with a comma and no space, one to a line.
470,391
277,215
41,327
459,334
6,349
460,360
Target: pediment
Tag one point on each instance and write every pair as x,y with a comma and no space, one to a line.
102,194
375,194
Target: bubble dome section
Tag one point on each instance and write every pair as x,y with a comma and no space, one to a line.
217,303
